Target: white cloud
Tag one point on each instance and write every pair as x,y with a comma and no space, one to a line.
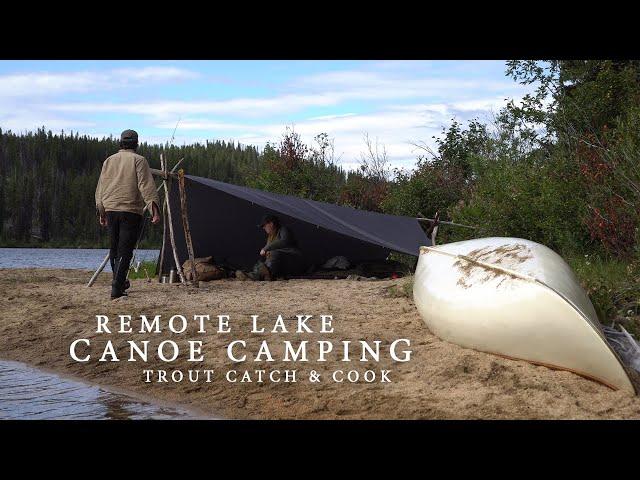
27,121
196,124
330,117
152,73
248,107
46,83
480,104
321,90
388,84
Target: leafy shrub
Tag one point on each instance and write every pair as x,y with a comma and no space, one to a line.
613,287
528,198
293,168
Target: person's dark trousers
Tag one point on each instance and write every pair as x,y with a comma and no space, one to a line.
124,228
282,263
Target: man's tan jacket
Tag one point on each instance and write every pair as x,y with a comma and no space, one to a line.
125,184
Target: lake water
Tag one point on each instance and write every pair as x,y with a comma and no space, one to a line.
82,258
27,393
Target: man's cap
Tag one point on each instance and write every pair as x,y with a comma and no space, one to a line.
268,218
129,136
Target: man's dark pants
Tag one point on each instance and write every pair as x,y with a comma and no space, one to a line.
124,228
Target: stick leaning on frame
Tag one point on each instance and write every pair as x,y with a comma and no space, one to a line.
185,226
162,173
171,236
97,272
160,263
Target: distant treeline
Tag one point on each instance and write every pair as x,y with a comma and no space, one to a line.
48,181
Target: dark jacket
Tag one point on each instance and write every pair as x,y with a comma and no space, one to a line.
284,241
283,256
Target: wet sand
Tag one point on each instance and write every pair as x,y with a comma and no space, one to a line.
43,311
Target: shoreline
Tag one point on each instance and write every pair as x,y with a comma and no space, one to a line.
45,310
194,413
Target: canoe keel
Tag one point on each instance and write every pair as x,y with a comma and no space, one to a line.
517,299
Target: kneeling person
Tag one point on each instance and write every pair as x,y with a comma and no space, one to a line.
282,257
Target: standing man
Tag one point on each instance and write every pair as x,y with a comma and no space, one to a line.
125,189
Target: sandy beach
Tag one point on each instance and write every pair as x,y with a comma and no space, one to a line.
44,311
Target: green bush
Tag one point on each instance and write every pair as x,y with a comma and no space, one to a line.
293,168
528,198
613,287
433,186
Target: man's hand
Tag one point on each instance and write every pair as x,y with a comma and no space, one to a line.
262,253
103,220
156,216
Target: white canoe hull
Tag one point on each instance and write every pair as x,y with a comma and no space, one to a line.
518,299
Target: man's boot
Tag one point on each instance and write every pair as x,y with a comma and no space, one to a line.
261,272
240,275
265,274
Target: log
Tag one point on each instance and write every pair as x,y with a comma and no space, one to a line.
185,226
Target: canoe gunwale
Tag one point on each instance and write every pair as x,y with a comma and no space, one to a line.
528,278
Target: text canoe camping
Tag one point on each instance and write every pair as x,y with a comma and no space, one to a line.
518,299
222,222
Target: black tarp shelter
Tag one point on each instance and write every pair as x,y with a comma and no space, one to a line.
223,222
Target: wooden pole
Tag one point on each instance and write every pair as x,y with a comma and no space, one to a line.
160,173
100,268
164,236
163,173
185,226
431,220
171,236
164,228
176,165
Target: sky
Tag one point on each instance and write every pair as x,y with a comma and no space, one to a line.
397,104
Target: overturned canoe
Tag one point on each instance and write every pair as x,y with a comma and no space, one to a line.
515,298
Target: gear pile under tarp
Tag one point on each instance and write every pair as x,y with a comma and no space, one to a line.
223,222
